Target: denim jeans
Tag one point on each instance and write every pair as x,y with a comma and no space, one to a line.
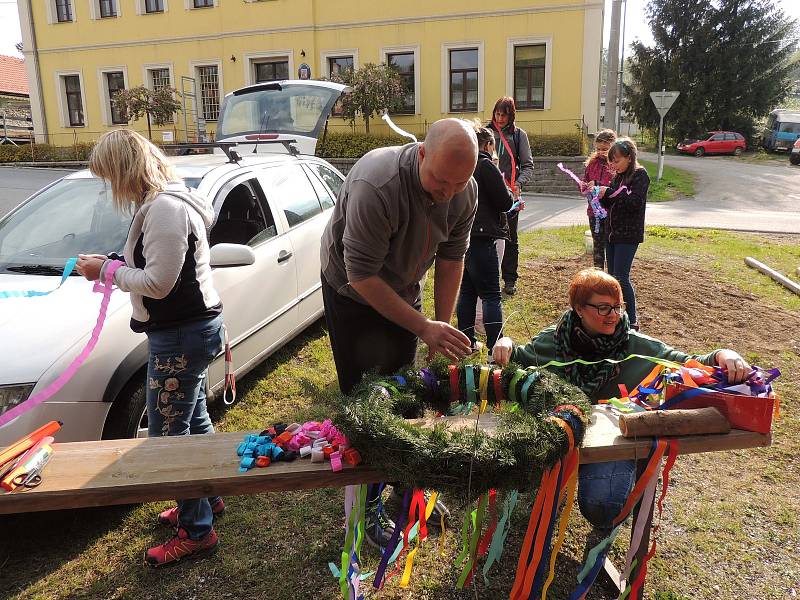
176,397
599,241
481,280
603,489
510,264
620,259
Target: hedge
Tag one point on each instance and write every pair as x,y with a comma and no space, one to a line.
44,152
356,145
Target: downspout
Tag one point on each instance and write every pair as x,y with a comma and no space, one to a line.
35,51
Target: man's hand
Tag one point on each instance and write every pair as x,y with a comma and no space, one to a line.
89,265
501,353
734,364
444,338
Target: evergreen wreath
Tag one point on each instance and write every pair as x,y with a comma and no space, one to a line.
527,441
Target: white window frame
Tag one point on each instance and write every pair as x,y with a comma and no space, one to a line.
384,57
140,8
105,100
148,81
189,5
326,54
251,59
94,10
52,18
445,67
547,41
194,69
63,108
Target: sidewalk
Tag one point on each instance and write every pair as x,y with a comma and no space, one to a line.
543,212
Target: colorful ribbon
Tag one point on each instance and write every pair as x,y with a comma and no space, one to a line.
106,288
68,267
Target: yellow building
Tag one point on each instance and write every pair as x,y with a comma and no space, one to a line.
457,56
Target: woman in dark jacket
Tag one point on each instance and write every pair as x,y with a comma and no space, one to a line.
481,269
626,209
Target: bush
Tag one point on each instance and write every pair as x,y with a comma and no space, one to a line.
565,144
45,152
355,145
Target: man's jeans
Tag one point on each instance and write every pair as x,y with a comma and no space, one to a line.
481,280
176,397
603,489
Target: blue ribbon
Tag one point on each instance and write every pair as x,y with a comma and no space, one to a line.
68,267
469,374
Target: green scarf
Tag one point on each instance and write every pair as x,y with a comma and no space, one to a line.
572,341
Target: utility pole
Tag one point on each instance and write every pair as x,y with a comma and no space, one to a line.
612,75
622,68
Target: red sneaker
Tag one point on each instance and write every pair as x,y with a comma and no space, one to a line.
169,517
180,547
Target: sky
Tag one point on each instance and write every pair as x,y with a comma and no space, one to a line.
635,24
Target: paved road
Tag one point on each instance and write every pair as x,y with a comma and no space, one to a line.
731,194
16,184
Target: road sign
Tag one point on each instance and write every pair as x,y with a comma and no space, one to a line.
664,101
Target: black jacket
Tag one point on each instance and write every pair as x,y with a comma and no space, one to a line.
494,199
626,211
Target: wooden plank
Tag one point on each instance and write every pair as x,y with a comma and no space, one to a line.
109,472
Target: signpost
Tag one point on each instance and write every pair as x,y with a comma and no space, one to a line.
663,101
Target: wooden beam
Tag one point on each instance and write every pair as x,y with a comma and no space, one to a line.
83,474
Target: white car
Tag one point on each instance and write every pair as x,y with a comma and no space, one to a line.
272,197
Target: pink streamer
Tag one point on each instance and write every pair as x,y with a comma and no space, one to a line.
70,371
580,183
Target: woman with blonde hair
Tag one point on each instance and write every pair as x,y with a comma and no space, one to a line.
168,276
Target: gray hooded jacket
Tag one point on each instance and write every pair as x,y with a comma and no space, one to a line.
167,270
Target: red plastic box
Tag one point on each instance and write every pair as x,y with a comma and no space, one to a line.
750,413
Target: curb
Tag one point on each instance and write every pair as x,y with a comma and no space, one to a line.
56,164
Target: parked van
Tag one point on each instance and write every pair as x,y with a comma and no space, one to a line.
783,128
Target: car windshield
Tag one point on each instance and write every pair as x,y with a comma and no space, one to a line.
790,127
72,216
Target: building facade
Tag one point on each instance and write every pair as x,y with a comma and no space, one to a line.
456,57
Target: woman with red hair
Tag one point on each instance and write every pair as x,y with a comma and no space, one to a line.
516,163
594,328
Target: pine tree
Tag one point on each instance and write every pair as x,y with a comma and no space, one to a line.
730,60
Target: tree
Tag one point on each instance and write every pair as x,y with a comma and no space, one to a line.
157,105
730,60
375,88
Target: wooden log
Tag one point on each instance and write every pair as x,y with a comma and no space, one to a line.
674,423
782,279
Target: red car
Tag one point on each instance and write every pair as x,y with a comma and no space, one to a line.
715,142
794,155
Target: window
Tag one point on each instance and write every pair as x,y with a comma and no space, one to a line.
330,177
244,217
464,80
294,193
108,8
718,138
529,67
153,6
276,70
403,62
729,137
209,91
203,3
116,82
337,64
325,197
63,11
72,89
159,79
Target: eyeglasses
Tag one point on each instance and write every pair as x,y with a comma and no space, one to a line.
605,309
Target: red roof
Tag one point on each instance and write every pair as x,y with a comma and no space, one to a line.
13,78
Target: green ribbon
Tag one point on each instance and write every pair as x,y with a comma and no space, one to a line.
476,517
512,388
469,375
500,534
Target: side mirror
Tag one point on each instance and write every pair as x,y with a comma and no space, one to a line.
232,255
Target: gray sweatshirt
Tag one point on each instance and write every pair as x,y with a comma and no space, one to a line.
167,257
386,224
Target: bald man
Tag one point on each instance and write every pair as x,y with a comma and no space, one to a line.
400,209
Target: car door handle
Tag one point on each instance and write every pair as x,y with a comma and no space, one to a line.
283,256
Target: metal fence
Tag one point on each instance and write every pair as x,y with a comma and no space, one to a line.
419,127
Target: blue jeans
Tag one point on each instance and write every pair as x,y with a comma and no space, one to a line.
481,279
620,259
603,489
176,397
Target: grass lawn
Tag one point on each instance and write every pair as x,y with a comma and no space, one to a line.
730,528
676,183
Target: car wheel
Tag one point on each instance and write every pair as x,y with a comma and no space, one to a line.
794,159
128,415
700,152
738,151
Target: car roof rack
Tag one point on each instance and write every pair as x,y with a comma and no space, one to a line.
227,147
